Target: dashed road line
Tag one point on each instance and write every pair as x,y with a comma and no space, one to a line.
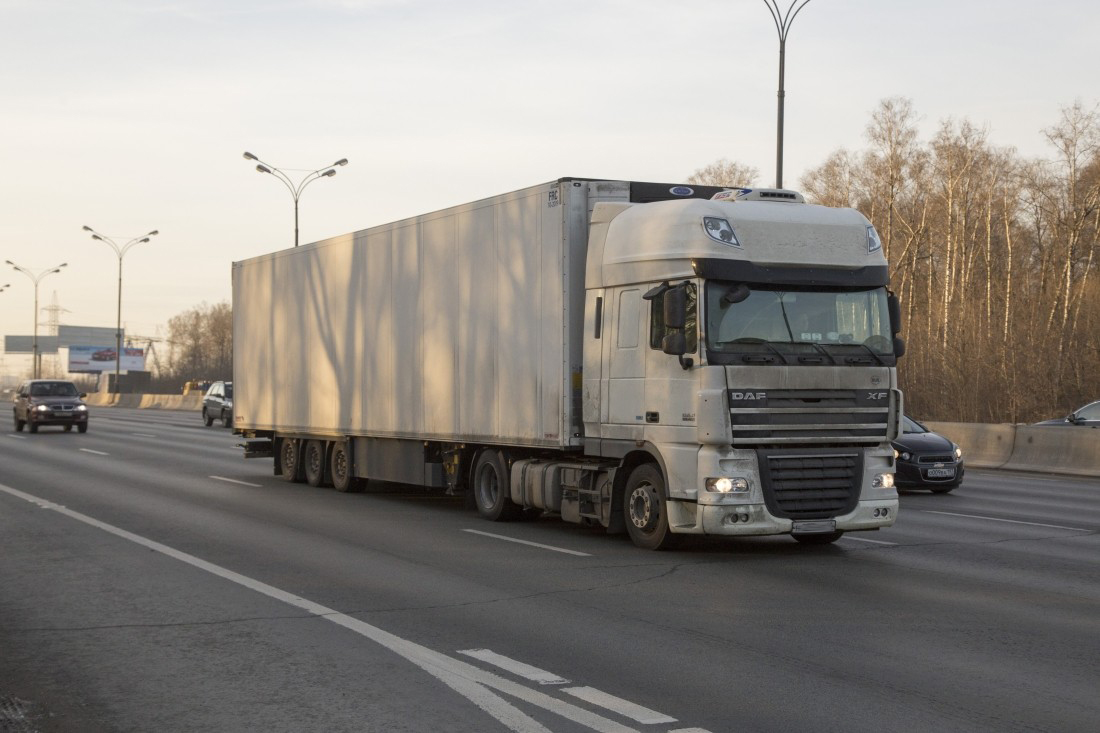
17,437
235,481
618,705
95,452
525,542
518,668
144,435
1009,521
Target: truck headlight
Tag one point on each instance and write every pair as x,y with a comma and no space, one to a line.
882,481
724,485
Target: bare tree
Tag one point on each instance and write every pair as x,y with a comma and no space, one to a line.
728,173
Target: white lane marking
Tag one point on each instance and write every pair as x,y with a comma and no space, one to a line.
618,705
466,679
144,435
525,542
689,730
96,452
17,437
864,539
1010,521
235,481
511,665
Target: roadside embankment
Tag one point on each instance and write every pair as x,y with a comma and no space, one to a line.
156,401
1049,449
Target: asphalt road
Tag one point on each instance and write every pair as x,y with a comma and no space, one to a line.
153,580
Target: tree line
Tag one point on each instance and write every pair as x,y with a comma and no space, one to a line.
994,257
200,348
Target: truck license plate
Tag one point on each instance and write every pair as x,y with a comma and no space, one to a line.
813,526
941,473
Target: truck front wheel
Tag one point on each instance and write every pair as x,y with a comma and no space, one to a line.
491,490
645,509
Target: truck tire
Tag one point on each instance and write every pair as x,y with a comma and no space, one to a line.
290,460
314,462
645,510
491,489
340,469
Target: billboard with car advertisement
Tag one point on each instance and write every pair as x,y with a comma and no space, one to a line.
102,359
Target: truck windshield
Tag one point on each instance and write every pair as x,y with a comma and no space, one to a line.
797,325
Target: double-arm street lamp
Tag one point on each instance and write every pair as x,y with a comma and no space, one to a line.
121,251
296,189
36,364
783,26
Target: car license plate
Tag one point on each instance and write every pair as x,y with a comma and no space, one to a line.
941,473
813,526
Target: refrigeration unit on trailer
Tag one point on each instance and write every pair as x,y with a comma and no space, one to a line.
661,359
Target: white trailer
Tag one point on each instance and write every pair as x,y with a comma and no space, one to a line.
622,354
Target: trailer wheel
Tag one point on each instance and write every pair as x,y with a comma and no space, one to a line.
645,510
290,464
339,467
313,462
491,492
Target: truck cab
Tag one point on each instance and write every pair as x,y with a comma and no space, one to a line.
739,365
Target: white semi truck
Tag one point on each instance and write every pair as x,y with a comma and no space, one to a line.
668,360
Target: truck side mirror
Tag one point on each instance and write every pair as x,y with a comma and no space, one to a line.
674,344
675,308
899,347
895,313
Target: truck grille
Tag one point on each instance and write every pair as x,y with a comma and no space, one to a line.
810,485
802,416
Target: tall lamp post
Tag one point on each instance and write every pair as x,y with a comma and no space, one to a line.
296,189
783,26
121,251
36,363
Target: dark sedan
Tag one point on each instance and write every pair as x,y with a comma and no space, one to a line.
926,460
50,402
1088,417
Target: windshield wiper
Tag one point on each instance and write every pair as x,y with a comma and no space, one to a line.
754,340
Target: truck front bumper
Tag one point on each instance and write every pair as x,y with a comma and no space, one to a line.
730,519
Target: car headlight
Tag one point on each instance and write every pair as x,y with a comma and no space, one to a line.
724,485
882,481
958,452
81,408
42,408
229,403
904,455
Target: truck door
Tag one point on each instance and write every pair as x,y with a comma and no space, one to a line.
625,348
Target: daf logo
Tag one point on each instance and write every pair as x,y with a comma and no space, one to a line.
876,395
748,395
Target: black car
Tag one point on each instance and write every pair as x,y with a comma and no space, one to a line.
926,460
1088,416
50,402
217,404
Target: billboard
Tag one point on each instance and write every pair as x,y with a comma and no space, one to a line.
25,344
102,359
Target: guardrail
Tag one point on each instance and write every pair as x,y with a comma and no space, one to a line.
1044,448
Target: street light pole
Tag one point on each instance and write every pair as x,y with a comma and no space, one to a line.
296,189
783,26
121,251
36,358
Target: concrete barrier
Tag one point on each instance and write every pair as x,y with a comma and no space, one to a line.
154,401
984,446
1072,450
1046,449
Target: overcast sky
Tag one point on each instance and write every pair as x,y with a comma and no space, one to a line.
131,115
